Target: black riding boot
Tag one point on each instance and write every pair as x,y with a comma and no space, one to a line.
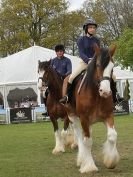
114,91
66,98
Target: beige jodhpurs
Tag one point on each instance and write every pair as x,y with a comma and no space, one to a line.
81,66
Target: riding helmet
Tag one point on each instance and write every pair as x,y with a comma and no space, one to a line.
89,21
59,47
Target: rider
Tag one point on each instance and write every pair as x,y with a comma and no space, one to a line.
61,65
86,53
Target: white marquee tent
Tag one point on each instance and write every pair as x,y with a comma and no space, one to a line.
20,70
122,76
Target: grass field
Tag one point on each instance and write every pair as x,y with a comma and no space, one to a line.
25,151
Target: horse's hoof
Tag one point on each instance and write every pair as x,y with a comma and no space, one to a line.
87,169
111,165
111,161
57,151
74,146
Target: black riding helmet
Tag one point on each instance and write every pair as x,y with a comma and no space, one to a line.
59,47
89,21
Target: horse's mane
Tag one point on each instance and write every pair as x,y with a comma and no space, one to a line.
54,78
104,60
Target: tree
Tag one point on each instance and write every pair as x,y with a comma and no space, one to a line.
24,22
45,23
124,52
76,19
126,93
113,16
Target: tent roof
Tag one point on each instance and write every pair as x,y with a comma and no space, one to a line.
122,74
21,67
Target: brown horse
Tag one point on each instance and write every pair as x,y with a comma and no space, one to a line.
48,76
93,103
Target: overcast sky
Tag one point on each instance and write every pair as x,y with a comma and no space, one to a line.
75,4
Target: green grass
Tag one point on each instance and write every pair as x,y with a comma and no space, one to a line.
25,151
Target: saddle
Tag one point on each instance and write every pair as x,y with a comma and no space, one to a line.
77,78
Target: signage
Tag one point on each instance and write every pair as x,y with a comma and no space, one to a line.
20,115
121,108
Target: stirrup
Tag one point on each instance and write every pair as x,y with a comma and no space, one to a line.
64,100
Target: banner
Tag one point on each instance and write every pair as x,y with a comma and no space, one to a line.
20,115
121,108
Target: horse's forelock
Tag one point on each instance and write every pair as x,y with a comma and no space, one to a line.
44,65
105,57
90,72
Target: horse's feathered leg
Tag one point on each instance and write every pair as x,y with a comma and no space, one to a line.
111,155
77,134
66,123
68,134
84,155
59,146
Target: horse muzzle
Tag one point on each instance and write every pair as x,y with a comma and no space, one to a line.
104,94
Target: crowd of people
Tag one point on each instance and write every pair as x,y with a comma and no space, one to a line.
24,103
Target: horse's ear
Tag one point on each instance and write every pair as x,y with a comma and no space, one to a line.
39,62
97,49
49,62
112,50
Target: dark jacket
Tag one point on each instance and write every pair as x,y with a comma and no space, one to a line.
85,47
63,66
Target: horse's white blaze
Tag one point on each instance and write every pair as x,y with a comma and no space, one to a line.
105,89
111,156
41,73
59,146
84,158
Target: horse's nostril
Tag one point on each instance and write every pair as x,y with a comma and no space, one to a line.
100,90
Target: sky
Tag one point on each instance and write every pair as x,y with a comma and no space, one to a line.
75,4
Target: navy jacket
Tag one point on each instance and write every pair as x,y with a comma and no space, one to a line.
85,47
62,65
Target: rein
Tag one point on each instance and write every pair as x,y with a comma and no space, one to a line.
98,65
44,83
41,78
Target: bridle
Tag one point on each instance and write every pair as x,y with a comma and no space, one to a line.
98,66
44,83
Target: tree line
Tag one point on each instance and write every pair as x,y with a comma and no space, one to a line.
47,23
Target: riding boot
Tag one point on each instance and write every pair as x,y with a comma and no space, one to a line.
66,98
114,92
